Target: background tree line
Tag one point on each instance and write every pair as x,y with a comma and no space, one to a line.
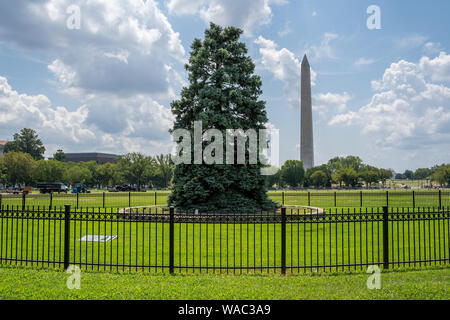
18,168
439,174
23,163
351,172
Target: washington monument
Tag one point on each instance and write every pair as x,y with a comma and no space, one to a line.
307,140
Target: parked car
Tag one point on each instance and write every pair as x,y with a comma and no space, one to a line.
122,188
126,188
46,187
80,188
112,189
18,190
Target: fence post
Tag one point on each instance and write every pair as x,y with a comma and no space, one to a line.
156,198
387,198
24,197
309,199
51,200
335,200
385,237
414,199
361,198
0,200
171,239
282,198
283,240
77,199
440,199
66,236
103,199
129,199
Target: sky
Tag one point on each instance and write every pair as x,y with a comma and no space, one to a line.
99,76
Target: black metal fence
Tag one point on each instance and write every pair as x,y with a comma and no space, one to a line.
368,199
324,199
165,241
86,200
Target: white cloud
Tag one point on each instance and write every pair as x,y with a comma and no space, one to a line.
324,50
286,29
184,7
22,110
121,46
432,47
438,68
65,74
283,64
245,14
330,102
122,60
411,41
121,55
364,62
279,2
406,112
102,123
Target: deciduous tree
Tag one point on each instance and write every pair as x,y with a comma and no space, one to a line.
59,155
165,166
19,167
49,171
442,175
349,176
78,174
293,173
27,141
319,179
133,166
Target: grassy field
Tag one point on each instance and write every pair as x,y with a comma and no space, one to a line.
25,283
398,183
144,245
89,200
323,199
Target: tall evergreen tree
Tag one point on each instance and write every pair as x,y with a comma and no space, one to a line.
223,93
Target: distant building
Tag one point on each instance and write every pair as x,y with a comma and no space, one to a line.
100,158
2,146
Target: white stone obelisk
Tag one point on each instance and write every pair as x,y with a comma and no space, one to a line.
307,140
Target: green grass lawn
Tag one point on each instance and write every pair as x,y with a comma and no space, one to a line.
323,199
143,246
26,283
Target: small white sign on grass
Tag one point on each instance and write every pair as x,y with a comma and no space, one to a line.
97,238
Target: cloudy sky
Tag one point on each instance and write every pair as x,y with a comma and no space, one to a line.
382,94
